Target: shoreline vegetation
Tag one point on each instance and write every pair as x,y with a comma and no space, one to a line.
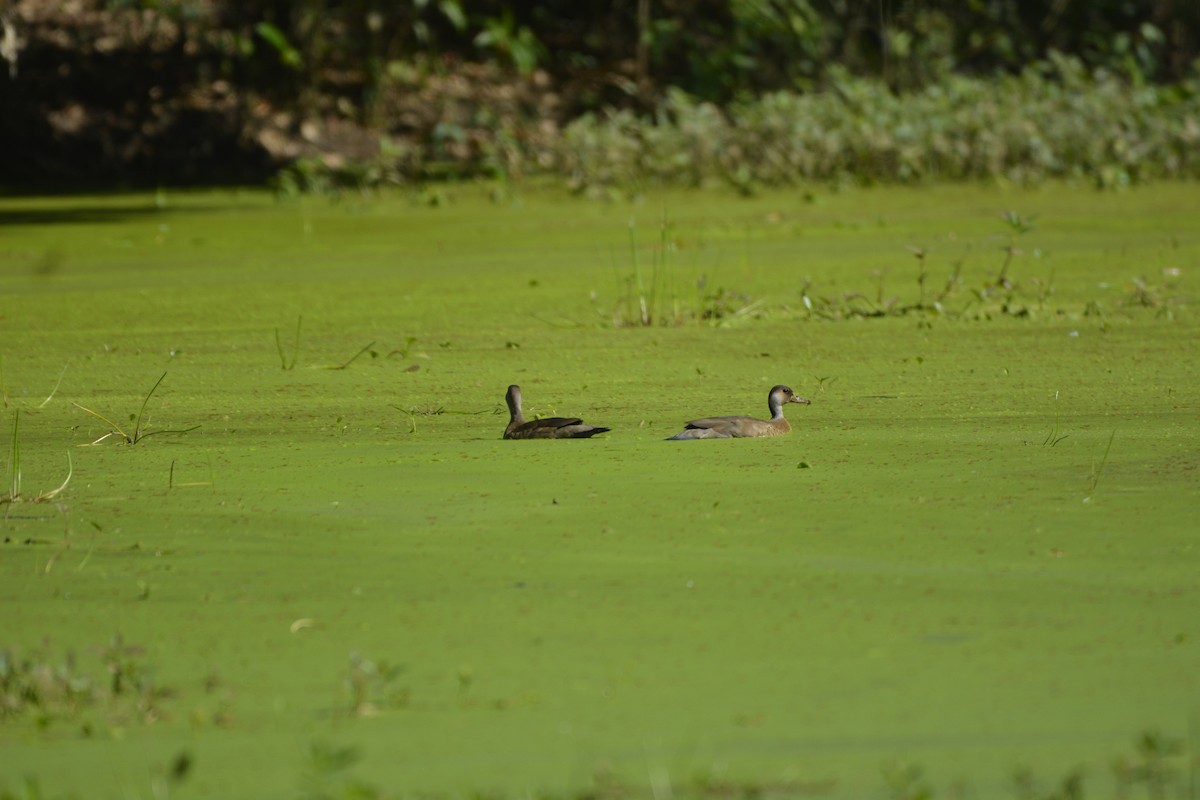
693,94
1054,120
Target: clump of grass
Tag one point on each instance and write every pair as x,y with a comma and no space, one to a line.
1025,786
907,782
1154,766
365,349
998,296
1154,770
650,295
643,316
14,467
4,400
1098,468
49,691
725,307
1161,296
53,391
403,352
1017,226
328,775
412,412
1052,438
172,483
160,785
642,301
373,686
1159,768
138,433
284,363
409,341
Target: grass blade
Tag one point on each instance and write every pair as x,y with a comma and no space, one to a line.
279,349
14,463
295,346
53,493
148,434
137,430
55,389
354,357
115,427
1098,469
644,313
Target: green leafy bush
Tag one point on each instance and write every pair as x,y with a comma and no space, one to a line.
1054,120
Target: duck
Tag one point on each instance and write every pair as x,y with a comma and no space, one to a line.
547,428
741,427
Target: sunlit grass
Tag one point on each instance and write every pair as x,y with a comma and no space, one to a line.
138,431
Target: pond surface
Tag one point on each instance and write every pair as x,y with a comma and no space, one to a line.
976,552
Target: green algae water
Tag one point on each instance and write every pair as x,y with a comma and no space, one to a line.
323,573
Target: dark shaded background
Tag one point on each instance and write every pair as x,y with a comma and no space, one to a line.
131,92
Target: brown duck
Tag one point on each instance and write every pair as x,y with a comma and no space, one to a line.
739,427
548,428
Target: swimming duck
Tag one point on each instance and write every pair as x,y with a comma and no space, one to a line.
548,428
739,427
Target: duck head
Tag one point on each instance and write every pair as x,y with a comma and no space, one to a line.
783,394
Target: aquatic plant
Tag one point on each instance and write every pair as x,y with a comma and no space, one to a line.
1026,787
14,468
412,412
650,297
906,782
4,399
49,690
372,686
1098,467
1155,766
171,483
1053,437
327,773
990,297
654,297
345,364
1156,769
160,784
1161,296
287,364
1017,226
138,433
409,341
283,361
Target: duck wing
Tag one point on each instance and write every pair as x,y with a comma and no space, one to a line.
554,428
710,428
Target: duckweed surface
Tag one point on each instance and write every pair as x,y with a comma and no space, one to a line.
975,556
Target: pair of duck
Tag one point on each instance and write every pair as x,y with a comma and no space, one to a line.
708,428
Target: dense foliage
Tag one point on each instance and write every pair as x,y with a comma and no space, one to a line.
1052,120
201,90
